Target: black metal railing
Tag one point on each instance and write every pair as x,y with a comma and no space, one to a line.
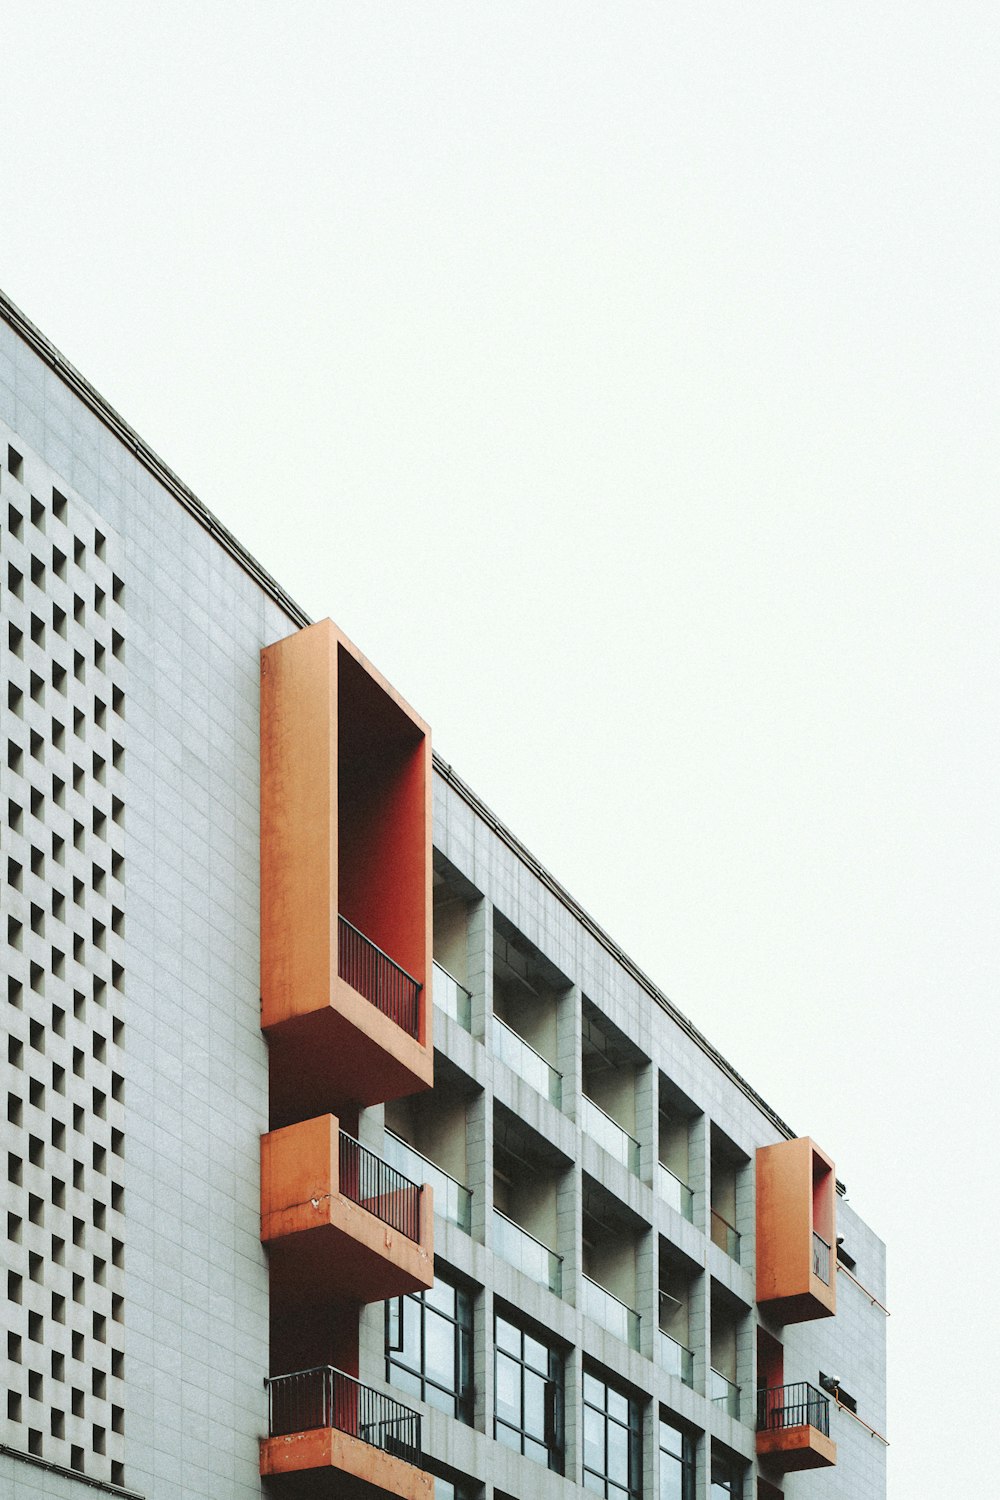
325,1397
798,1405
368,1180
821,1258
378,977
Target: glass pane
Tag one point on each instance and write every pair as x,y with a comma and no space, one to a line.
439,1350
410,1352
593,1439
671,1478
508,1337
508,1390
593,1482
405,1380
443,1400
508,1437
617,1405
441,1296
593,1390
618,1453
671,1440
536,1355
537,1451
534,1404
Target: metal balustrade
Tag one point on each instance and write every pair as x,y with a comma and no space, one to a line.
608,1310
530,1065
452,997
821,1258
608,1133
725,1393
725,1236
451,1200
529,1255
325,1397
798,1405
378,1187
378,977
675,1192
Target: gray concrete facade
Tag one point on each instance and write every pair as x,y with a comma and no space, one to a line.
136,1072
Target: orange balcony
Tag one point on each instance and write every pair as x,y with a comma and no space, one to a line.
796,1231
793,1428
345,879
329,1434
338,1221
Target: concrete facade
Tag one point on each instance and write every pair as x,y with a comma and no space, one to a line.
136,1071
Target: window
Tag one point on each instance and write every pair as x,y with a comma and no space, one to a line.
428,1347
727,1479
528,1377
612,1441
676,1463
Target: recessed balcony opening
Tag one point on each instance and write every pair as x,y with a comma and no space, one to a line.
676,1116
455,902
425,1139
528,993
728,1321
729,1164
526,1174
610,1063
677,1280
611,1237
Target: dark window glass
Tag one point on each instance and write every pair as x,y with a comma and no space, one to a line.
612,1441
676,1463
528,1395
727,1479
428,1347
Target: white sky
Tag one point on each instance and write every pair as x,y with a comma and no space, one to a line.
623,379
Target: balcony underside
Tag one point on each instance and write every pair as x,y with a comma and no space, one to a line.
355,1257
800,1307
344,1049
792,1448
326,1464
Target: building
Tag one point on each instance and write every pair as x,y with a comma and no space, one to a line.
345,1154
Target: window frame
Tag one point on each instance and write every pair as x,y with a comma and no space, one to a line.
462,1391
610,1487
553,1438
685,1461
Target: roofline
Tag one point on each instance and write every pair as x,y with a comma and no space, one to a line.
164,475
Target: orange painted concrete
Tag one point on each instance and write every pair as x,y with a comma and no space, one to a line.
791,1448
345,828
323,1244
796,1184
349,1459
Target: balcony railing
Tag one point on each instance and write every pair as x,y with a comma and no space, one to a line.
453,998
521,1249
608,1133
725,1236
378,1187
605,1308
724,1393
325,1397
675,1192
675,1359
528,1064
378,977
821,1258
451,1200
798,1405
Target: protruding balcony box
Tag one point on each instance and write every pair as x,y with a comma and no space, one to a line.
796,1231
338,1220
793,1428
331,1435
345,879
